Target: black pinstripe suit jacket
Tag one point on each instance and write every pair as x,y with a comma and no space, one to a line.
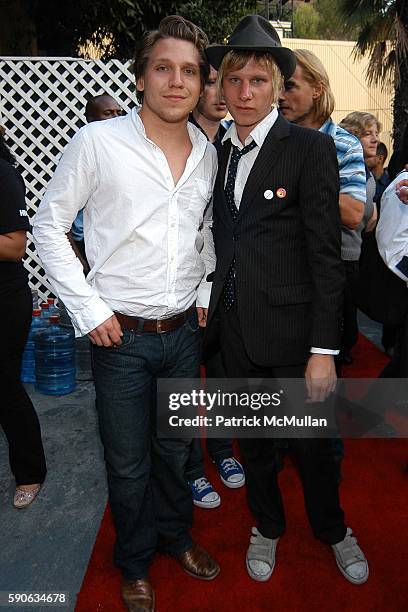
289,275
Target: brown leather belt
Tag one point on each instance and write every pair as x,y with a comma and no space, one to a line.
159,326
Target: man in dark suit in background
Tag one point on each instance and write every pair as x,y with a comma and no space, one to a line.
277,293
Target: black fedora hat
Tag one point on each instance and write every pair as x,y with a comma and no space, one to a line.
255,33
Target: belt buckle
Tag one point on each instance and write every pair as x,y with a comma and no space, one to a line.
159,327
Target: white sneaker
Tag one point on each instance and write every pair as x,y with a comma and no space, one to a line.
350,559
260,557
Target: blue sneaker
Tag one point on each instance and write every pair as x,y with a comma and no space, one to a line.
231,472
204,495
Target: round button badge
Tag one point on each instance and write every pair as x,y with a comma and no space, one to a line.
281,192
268,194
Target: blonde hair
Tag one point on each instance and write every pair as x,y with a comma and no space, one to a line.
315,74
236,60
357,122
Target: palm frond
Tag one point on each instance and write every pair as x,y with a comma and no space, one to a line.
358,11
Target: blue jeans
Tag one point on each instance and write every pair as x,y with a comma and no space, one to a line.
150,500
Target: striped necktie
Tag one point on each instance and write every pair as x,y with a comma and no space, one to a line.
228,292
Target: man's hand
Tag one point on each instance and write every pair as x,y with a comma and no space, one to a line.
202,316
109,333
401,189
320,377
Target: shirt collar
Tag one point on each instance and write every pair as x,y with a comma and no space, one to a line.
198,139
328,127
259,133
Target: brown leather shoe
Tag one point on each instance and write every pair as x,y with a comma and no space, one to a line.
138,595
198,563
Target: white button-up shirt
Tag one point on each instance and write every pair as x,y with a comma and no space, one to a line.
148,241
392,230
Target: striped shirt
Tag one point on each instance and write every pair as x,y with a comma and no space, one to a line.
350,158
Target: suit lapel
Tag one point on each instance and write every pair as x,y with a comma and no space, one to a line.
222,167
267,156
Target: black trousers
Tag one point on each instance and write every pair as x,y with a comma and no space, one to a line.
217,448
317,467
17,415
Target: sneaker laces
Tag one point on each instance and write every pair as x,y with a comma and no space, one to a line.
229,464
201,484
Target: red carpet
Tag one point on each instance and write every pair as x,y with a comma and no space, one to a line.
306,576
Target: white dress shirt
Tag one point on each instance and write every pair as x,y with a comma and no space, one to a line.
259,133
148,241
392,230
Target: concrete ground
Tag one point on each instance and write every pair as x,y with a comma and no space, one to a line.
47,546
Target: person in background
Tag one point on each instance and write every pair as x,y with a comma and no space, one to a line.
392,241
376,165
101,107
366,128
17,414
382,179
98,108
307,99
210,112
145,182
208,116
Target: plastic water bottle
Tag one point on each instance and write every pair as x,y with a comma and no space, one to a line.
55,359
45,311
28,362
52,308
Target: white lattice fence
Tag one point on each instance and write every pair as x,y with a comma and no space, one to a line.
43,105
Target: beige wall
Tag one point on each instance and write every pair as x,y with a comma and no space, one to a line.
348,82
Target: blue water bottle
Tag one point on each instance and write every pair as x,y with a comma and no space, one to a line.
52,308
28,362
55,359
45,311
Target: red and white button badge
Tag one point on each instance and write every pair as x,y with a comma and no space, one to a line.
281,192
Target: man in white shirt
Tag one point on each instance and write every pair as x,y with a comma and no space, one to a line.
392,229
144,182
392,241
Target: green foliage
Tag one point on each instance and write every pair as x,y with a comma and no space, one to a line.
63,26
306,21
383,35
331,23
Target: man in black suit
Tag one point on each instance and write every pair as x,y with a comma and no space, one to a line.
277,290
